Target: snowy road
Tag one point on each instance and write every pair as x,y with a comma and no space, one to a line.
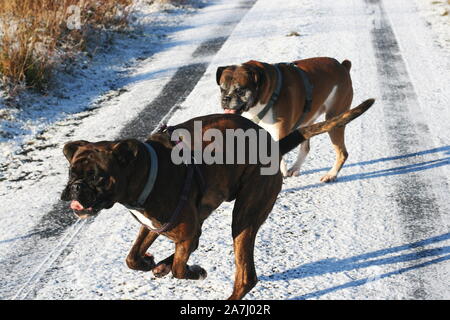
380,232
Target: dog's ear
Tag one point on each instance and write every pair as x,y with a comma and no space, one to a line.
126,151
219,74
163,138
71,147
256,73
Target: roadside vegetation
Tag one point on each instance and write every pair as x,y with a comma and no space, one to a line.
38,35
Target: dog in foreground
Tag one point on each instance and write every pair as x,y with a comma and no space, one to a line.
104,173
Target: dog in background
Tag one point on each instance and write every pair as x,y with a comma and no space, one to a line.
283,97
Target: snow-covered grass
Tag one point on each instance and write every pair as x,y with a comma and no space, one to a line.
85,83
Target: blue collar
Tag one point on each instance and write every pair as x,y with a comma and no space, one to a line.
153,173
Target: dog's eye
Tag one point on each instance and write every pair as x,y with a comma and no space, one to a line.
240,91
101,180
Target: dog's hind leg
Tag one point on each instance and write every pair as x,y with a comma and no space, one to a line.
245,276
337,135
250,211
137,258
337,139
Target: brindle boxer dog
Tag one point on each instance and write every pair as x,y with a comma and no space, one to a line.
248,88
107,172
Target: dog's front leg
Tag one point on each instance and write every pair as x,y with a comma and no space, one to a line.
137,258
163,267
180,269
301,156
283,168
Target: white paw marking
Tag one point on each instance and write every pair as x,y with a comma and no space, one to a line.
293,172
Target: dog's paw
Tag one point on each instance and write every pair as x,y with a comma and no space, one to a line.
149,261
161,270
328,178
293,172
145,263
197,272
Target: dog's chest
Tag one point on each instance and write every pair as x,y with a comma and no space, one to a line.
142,219
268,122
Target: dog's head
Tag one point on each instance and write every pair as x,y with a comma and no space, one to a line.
98,174
239,87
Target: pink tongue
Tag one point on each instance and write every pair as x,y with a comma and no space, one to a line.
230,111
75,205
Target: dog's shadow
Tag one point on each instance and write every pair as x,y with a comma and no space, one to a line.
375,258
443,160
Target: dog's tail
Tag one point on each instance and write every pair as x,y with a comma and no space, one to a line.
298,136
347,64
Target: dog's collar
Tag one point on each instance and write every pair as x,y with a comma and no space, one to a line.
184,197
152,174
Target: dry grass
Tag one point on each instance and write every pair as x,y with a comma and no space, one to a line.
35,35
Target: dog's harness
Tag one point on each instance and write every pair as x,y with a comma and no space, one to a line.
135,209
276,93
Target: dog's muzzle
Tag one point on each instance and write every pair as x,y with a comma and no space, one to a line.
83,201
236,110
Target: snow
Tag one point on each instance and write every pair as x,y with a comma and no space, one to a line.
345,240
437,15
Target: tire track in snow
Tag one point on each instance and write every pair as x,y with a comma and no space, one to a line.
416,204
49,241
24,291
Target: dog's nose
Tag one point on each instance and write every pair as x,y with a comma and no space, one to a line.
226,99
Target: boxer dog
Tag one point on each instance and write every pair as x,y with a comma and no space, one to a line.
283,97
108,172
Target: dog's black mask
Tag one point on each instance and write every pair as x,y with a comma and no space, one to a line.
89,187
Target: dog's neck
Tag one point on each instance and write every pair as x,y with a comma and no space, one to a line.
160,203
268,87
138,176
267,97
